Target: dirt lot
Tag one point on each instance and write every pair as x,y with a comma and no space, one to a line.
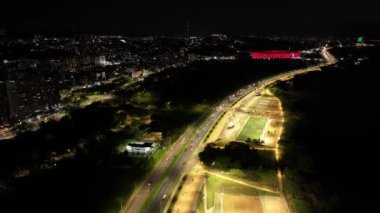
240,204
250,204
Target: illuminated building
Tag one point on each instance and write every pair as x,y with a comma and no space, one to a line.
101,60
276,54
136,74
141,147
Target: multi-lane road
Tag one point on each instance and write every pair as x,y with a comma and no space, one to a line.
140,196
190,142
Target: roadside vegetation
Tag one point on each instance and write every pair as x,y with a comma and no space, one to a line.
240,160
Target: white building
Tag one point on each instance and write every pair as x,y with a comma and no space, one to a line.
141,147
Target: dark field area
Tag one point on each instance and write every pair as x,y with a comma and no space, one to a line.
211,81
330,144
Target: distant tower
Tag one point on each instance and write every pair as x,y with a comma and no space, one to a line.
2,37
12,99
4,106
188,13
187,29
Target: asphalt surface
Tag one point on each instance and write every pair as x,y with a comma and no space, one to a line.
182,165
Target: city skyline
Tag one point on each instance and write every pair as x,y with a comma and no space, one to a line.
189,106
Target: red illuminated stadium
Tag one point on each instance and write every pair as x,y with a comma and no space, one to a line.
276,54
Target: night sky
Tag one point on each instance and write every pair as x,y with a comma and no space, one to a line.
319,17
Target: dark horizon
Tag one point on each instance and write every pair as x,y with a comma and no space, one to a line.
342,32
296,18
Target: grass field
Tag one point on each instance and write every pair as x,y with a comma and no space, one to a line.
95,98
144,97
267,177
252,129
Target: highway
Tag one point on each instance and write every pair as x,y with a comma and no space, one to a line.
140,196
182,165
192,139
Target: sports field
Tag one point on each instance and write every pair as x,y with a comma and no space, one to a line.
252,129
